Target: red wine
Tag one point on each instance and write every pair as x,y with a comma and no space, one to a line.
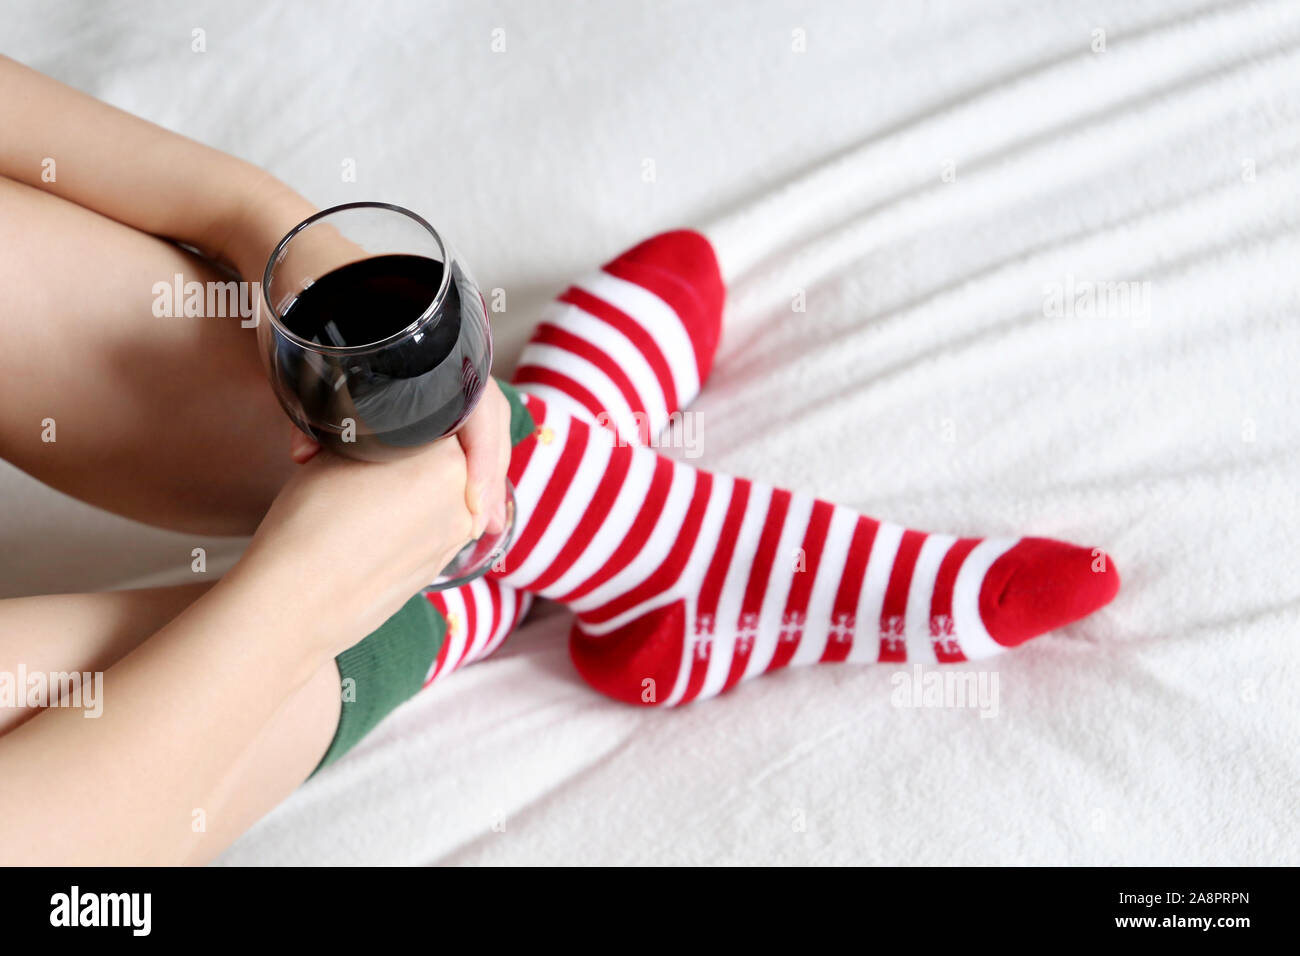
365,302
379,388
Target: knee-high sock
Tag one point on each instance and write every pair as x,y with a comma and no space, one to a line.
686,582
627,347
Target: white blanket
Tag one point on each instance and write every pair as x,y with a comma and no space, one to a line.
941,186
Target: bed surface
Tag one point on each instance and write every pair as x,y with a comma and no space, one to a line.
930,177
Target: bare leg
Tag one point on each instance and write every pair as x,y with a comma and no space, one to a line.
219,701
165,420
81,632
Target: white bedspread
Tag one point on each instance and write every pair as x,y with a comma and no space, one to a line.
934,178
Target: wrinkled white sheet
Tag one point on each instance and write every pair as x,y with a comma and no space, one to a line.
925,174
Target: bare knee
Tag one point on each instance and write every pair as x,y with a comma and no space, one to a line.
168,420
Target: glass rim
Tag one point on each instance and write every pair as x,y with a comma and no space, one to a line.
277,254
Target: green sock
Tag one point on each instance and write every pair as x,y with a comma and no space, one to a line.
389,665
384,670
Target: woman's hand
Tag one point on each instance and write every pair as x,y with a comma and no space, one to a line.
485,438
350,541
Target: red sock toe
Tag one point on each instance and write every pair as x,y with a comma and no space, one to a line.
1040,585
681,268
640,664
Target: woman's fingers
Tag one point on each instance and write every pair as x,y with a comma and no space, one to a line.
399,522
302,448
485,439
444,467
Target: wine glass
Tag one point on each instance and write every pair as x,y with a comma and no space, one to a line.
378,342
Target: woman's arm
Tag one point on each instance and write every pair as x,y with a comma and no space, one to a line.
178,714
140,174
168,185
188,716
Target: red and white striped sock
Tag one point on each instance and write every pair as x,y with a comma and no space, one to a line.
686,582
631,345
480,615
627,347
